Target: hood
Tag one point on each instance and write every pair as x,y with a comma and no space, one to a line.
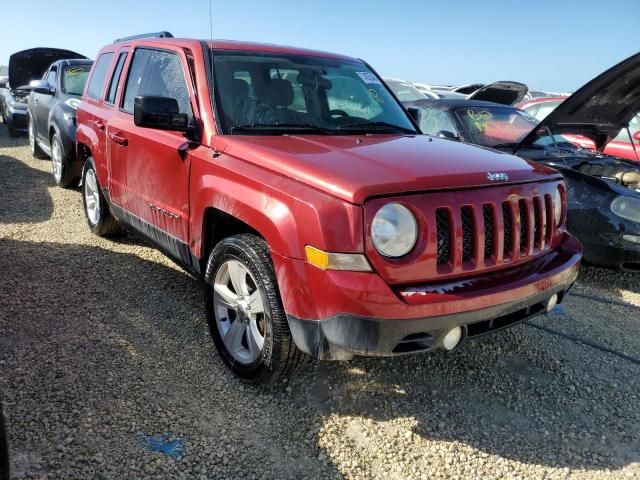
506,93
31,64
599,109
468,89
356,168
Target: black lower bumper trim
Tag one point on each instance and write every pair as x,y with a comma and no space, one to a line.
343,336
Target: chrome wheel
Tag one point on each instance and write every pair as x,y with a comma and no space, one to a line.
239,311
91,197
32,138
56,159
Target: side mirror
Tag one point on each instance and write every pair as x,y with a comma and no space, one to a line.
161,113
447,134
41,86
636,136
414,113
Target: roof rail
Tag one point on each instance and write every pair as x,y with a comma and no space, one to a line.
163,34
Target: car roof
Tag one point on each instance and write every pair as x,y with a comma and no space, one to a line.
75,61
193,43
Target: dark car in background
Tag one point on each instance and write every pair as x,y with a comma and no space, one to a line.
603,191
52,117
24,67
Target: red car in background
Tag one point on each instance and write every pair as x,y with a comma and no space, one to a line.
620,146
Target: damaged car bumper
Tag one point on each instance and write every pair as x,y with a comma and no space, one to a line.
382,320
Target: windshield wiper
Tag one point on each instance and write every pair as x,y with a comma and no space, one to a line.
377,126
307,127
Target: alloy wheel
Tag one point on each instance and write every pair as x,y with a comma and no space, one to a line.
239,311
56,160
92,197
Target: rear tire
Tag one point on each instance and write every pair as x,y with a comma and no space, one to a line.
36,151
96,208
61,164
245,314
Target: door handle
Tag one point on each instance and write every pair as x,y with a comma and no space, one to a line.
99,125
120,140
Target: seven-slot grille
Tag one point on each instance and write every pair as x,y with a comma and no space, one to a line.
526,229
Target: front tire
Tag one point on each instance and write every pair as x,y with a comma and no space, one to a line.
96,208
36,151
245,314
61,164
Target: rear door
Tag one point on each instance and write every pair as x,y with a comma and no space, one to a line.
96,115
150,172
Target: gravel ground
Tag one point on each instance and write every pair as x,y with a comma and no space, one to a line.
108,372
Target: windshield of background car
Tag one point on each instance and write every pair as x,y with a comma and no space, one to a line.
493,126
264,93
74,78
405,91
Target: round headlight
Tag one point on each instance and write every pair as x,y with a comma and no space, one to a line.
557,206
627,207
394,230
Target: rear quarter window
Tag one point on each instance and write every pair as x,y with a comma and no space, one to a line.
96,84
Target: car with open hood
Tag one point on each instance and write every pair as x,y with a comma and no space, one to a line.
24,67
52,117
625,145
319,219
603,191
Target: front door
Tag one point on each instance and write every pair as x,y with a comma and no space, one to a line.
42,103
152,171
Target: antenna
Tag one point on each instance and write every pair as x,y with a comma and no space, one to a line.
216,153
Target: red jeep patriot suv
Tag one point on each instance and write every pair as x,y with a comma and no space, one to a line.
319,218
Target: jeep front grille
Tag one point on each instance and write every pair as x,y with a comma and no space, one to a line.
524,230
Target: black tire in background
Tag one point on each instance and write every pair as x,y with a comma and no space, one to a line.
4,449
65,178
36,151
96,208
12,131
279,357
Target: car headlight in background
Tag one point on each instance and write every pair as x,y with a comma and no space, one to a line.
627,207
394,230
557,206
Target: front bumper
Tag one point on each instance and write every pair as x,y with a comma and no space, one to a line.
480,305
612,251
18,118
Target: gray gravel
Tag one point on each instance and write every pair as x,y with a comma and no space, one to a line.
104,345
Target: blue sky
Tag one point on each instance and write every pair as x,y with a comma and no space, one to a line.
549,45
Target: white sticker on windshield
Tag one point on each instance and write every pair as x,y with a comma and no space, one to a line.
368,77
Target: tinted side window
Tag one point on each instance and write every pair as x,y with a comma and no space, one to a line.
115,79
99,74
154,72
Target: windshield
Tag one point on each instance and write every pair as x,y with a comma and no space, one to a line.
405,91
274,94
496,126
74,77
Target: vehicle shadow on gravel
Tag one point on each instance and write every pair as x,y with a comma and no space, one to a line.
102,349
24,196
521,395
